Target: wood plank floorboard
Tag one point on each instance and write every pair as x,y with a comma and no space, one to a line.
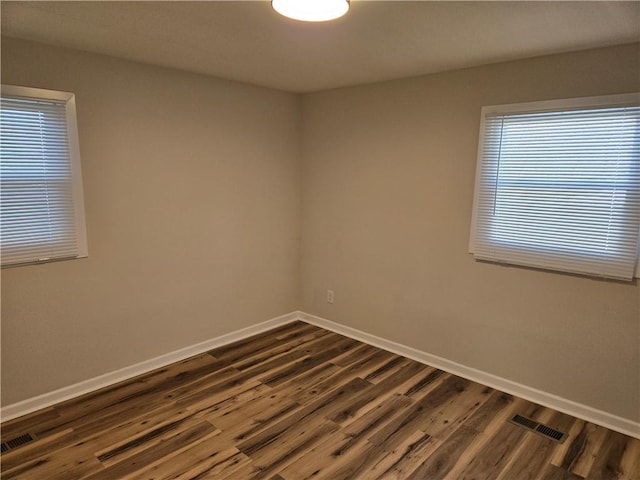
302,403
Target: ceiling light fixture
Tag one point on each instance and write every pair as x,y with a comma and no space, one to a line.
311,10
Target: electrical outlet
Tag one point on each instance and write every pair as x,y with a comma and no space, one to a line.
330,296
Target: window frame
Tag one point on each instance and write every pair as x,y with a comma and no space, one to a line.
616,100
77,190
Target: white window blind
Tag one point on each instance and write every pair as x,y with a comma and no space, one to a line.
558,186
41,211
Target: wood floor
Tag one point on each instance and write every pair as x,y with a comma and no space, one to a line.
300,402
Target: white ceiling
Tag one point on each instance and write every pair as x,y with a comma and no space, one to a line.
377,40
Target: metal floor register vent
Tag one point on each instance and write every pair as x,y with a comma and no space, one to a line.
539,428
16,442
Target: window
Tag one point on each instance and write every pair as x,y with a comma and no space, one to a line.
41,200
558,185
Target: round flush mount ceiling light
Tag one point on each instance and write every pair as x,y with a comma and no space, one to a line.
311,10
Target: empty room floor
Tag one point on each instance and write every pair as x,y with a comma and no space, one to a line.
300,402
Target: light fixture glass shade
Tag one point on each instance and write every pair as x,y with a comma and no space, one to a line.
311,10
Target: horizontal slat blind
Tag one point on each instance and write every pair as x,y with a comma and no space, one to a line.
37,208
561,190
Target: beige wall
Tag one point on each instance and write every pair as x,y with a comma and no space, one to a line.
388,185
192,205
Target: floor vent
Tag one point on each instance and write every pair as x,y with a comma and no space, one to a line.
539,428
16,442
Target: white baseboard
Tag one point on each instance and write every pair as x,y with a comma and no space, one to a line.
65,393
608,420
590,414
